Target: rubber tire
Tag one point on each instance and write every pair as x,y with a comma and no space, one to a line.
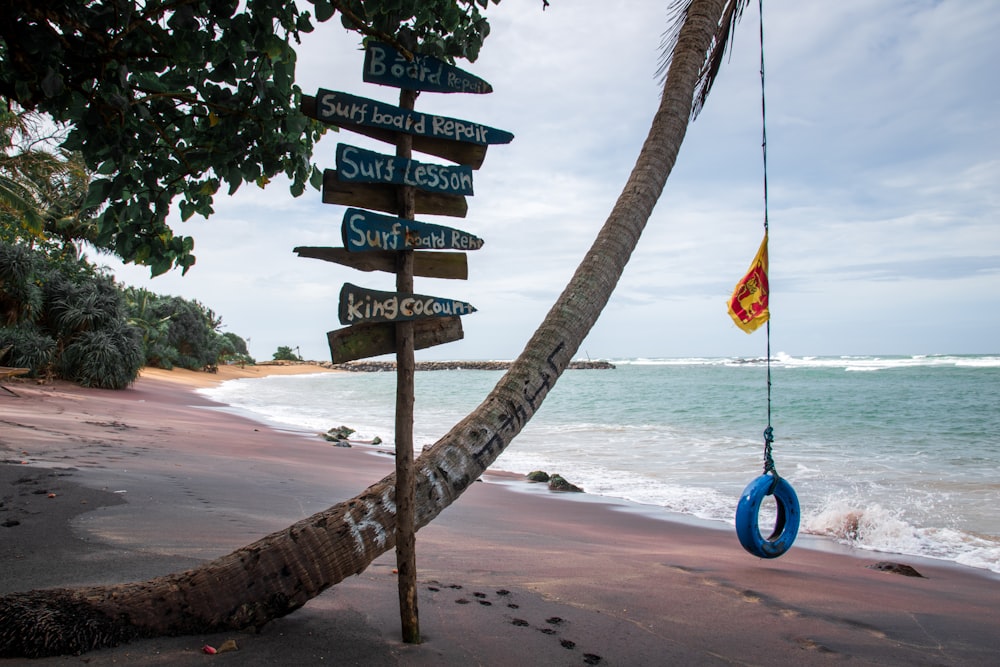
786,525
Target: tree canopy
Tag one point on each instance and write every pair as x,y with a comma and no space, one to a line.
171,100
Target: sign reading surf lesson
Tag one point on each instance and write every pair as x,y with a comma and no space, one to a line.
357,165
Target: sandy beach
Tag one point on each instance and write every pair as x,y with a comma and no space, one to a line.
104,486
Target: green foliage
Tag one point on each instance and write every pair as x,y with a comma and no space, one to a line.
190,340
42,188
27,346
78,306
234,350
62,317
179,332
171,101
285,354
165,101
153,329
238,345
20,295
108,357
447,29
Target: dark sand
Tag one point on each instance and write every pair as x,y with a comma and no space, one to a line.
153,480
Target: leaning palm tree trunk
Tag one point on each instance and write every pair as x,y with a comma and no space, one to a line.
281,572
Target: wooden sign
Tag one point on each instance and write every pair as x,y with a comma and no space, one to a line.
361,341
426,264
383,197
357,165
366,231
359,305
459,152
348,110
386,66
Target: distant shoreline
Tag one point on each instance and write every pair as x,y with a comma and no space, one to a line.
266,368
378,366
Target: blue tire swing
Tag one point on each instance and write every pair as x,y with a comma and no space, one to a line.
786,523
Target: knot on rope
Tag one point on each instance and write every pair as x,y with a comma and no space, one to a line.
768,440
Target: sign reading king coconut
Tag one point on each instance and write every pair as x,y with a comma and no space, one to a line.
359,305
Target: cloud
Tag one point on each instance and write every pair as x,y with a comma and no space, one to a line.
882,145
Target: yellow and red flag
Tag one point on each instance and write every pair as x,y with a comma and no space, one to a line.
748,304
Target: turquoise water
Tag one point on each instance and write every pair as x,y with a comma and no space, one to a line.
892,454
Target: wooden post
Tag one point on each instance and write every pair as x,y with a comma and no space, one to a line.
382,322
406,557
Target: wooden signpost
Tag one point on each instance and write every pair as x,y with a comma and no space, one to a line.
380,322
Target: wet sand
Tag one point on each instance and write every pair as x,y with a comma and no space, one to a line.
104,486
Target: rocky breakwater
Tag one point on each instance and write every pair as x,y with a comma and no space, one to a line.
378,366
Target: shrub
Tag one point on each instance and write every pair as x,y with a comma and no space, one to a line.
109,357
20,295
29,348
285,353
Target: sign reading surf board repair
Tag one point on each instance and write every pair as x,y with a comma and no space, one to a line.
357,165
349,110
386,66
358,305
364,230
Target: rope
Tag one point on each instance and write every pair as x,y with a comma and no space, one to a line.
769,431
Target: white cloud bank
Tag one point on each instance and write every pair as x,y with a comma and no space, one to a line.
883,160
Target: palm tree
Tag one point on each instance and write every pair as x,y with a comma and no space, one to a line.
42,189
19,170
281,572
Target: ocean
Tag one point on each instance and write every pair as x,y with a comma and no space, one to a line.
890,454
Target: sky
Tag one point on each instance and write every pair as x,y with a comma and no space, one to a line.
883,168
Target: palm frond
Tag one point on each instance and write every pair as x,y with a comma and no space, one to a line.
677,14
20,203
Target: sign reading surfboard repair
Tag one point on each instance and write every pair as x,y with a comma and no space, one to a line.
342,109
386,66
358,304
363,166
364,230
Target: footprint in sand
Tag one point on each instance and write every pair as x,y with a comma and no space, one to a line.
504,595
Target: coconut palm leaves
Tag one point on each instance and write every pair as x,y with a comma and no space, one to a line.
42,188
